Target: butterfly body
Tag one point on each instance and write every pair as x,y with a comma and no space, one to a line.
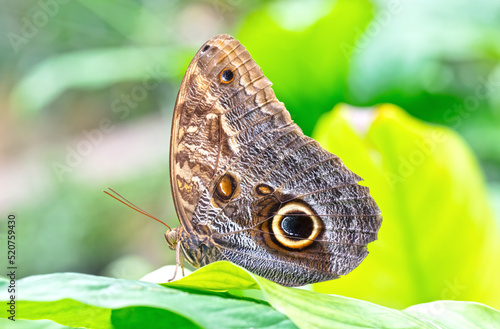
250,187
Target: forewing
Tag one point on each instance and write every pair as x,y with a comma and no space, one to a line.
199,145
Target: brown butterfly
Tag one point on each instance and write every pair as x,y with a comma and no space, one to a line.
249,187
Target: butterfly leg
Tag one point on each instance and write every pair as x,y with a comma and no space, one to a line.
178,261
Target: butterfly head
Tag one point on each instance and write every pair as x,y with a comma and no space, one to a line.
172,237
177,240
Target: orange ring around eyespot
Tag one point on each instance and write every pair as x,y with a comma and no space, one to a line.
226,81
280,235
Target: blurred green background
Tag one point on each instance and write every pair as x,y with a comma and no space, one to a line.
87,90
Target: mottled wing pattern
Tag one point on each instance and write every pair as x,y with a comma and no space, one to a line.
297,170
239,132
199,146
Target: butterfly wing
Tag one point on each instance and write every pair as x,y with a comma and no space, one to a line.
198,147
270,198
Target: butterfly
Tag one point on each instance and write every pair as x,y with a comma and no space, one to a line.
249,187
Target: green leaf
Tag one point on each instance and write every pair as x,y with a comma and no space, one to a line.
218,277
79,300
313,41
438,239
452,314
308,309
29,324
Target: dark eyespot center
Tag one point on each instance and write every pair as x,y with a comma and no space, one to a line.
295,225
205,48
298,225
226,76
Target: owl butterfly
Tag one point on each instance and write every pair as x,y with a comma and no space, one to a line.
249,187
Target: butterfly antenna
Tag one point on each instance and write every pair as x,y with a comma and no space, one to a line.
129,204
128,201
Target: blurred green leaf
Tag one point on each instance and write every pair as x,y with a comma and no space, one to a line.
93,69
127,18
425,56
308,67
438,239
483,133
